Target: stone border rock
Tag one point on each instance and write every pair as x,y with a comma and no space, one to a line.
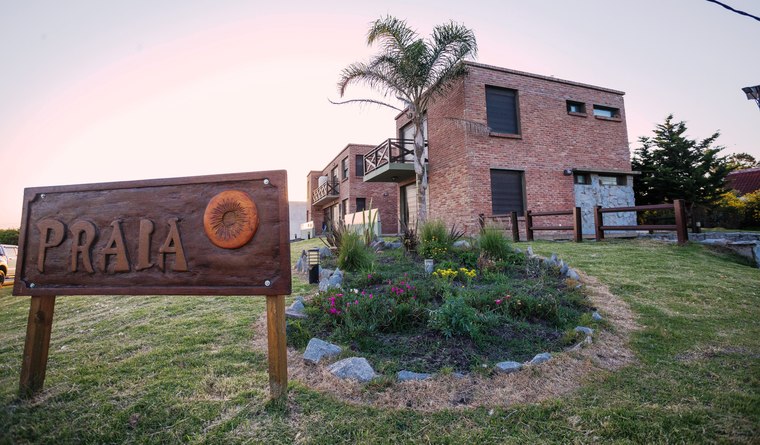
551,376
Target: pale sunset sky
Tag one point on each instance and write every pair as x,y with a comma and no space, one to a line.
100,91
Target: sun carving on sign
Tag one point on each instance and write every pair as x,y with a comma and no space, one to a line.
231,219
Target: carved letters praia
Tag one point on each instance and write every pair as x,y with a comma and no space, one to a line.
83,235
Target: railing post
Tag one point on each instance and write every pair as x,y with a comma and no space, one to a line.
515,227
679,208
577,225
598,221
529,225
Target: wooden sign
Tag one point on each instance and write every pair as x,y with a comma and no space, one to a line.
208,235
212,235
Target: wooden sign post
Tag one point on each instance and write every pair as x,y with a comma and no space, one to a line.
208,235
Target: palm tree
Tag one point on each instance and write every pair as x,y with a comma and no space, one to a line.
414,71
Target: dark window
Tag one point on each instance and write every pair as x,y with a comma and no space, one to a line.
344,167
607,112
582,178
361,204
359,165
334,180
576,107
613,180
501,110
344,207
507,192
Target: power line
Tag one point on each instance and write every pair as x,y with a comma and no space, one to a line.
735,10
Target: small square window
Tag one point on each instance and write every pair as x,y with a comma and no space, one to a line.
576,107
613,180
361,204
582,178
607,112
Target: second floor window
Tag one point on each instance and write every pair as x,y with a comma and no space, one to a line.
344,168
501,110
359,165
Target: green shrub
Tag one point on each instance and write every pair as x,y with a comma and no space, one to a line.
455,318
354,254
543,308
494,244
434,240
297,334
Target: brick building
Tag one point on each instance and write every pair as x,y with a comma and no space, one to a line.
504,140
339,190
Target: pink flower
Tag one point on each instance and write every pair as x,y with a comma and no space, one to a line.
339,295
356,301
497,301
333,310
370,295
369,276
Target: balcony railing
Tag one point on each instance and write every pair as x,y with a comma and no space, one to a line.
390,151
325,191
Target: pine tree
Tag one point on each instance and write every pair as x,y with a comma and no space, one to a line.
673,166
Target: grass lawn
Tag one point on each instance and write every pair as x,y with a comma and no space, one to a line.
181,369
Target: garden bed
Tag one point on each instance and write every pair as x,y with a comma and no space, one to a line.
483,303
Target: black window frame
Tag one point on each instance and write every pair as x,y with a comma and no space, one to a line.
614,113
363,206
359,166
498,101
522,198
574,103
344,168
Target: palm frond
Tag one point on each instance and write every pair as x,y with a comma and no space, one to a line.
365,101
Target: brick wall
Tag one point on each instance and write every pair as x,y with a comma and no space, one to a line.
381,196
550,141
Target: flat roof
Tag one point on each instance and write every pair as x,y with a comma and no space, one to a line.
538,76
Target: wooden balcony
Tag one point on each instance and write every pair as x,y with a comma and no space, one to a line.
391,161
325,193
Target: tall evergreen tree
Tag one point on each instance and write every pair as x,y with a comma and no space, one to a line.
673,166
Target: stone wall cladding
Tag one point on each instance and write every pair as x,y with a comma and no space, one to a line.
382,196
550,141
588,196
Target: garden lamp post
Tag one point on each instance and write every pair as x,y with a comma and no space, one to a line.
753,93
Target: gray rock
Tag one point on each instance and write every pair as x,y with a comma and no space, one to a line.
317,349
296,310
393,245
586,341
508,367
518,250
563,267
336,279
325,252
541,358
584,329
573,275
462,244
324,285
301,266
596,317
357,368
405,376
324,273
529,252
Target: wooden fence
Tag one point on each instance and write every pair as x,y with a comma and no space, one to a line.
677,206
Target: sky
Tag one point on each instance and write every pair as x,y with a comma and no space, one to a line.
94,91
